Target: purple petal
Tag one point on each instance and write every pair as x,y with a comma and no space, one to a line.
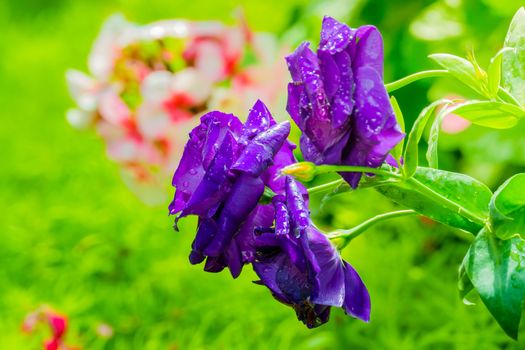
357,299
330,73
390,160
259,153
284,245
294,103
218,125
292,282
282,219
190,170
299,213
205,233
215,183
234,259
310,151
259,119
267,271
308,103
331,277
374,111
304,68
272,176
262,216
343,101
335,36
242,199
199,151
367,49
214,264
375,129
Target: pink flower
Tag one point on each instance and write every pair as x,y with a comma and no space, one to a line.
57,323
149,85
453,123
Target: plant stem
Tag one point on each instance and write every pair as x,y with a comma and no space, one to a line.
322,169
440,199
325,187
348,235
415,77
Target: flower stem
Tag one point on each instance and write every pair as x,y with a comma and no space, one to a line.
325,187
345,236
440,199
415,77
322,169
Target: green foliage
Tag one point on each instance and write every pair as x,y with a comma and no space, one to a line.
433,138
494,72
492,114
397,152
463,193
412,145
507,208
462,69
514,60
497,271
74,237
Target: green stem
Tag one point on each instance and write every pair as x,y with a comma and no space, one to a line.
325,187
267,195
347,235
322,169
415,77
440,199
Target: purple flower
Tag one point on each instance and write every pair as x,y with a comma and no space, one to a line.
339,101
221,178
302,268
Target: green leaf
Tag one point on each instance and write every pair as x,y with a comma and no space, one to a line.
507,208
469,193
513,64
492,114
497,271
397,152
465,285
433,138
461,69
494,72
411,151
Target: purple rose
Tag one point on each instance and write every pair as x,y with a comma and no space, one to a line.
221,178
339,101
302,268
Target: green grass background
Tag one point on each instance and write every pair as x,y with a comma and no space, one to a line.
74,237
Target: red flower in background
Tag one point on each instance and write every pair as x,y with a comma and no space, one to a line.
56,322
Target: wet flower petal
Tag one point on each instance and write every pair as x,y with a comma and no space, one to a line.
260,152
306,271
357,299
338,99
225,190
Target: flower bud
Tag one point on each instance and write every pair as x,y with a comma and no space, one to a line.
303,171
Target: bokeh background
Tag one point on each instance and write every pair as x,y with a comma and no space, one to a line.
74,237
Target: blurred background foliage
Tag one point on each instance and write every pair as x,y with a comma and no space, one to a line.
75,238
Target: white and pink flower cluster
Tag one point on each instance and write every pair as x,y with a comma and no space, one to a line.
148,84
